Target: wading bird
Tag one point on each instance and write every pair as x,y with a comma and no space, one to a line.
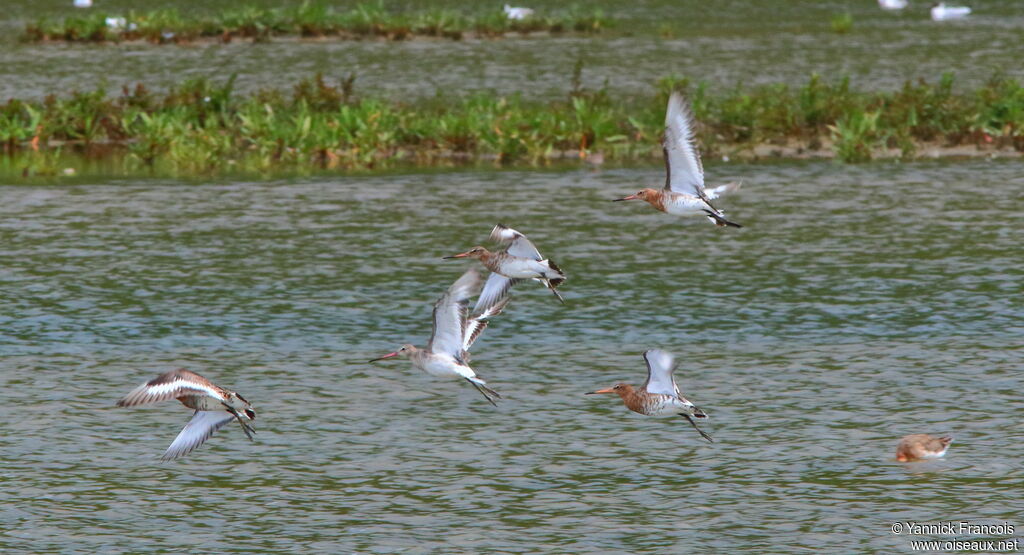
922,446
520,260
892,4
942,12
517,13
659,395
214,406
684,193
447,353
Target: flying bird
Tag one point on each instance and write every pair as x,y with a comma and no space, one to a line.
214,406
520,260
447,352
922,446
684,193
659,396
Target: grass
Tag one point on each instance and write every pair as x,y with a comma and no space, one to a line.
203,127
308,19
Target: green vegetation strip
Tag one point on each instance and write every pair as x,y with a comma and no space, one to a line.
309,19
203,127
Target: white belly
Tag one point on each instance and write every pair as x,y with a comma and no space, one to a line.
671,406
525,268
445,367
686,205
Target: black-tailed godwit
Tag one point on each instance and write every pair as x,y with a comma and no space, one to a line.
922,446
214,406
684,193
520,260
659,396
447,353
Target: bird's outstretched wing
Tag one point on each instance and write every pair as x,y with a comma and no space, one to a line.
196,432
684,172
518,244
170,385
476,325
660,366
450,312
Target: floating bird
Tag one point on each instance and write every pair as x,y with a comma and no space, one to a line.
684,193
82,3
892,4
922,446
517,13
520,260
942,12
447,353
659,395
214,406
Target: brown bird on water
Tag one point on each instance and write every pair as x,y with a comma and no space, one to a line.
922,446
659,396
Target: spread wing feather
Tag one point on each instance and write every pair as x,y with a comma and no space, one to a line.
450,312
683,168
170,385
518,244
196,432
660,366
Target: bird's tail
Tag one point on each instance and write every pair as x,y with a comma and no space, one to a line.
719,219
488,393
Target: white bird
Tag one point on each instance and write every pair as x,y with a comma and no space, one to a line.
83,3
684,193
517,13
520,260
447,353
116,23
942,12
214,406
892,4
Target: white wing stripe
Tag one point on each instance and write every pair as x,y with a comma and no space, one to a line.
167,388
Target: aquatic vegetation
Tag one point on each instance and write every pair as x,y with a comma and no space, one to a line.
308,19
841,23
203,126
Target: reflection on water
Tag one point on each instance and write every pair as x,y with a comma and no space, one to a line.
858,305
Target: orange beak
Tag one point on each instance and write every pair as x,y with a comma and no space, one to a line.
605,390
389,355
460,255
630,197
